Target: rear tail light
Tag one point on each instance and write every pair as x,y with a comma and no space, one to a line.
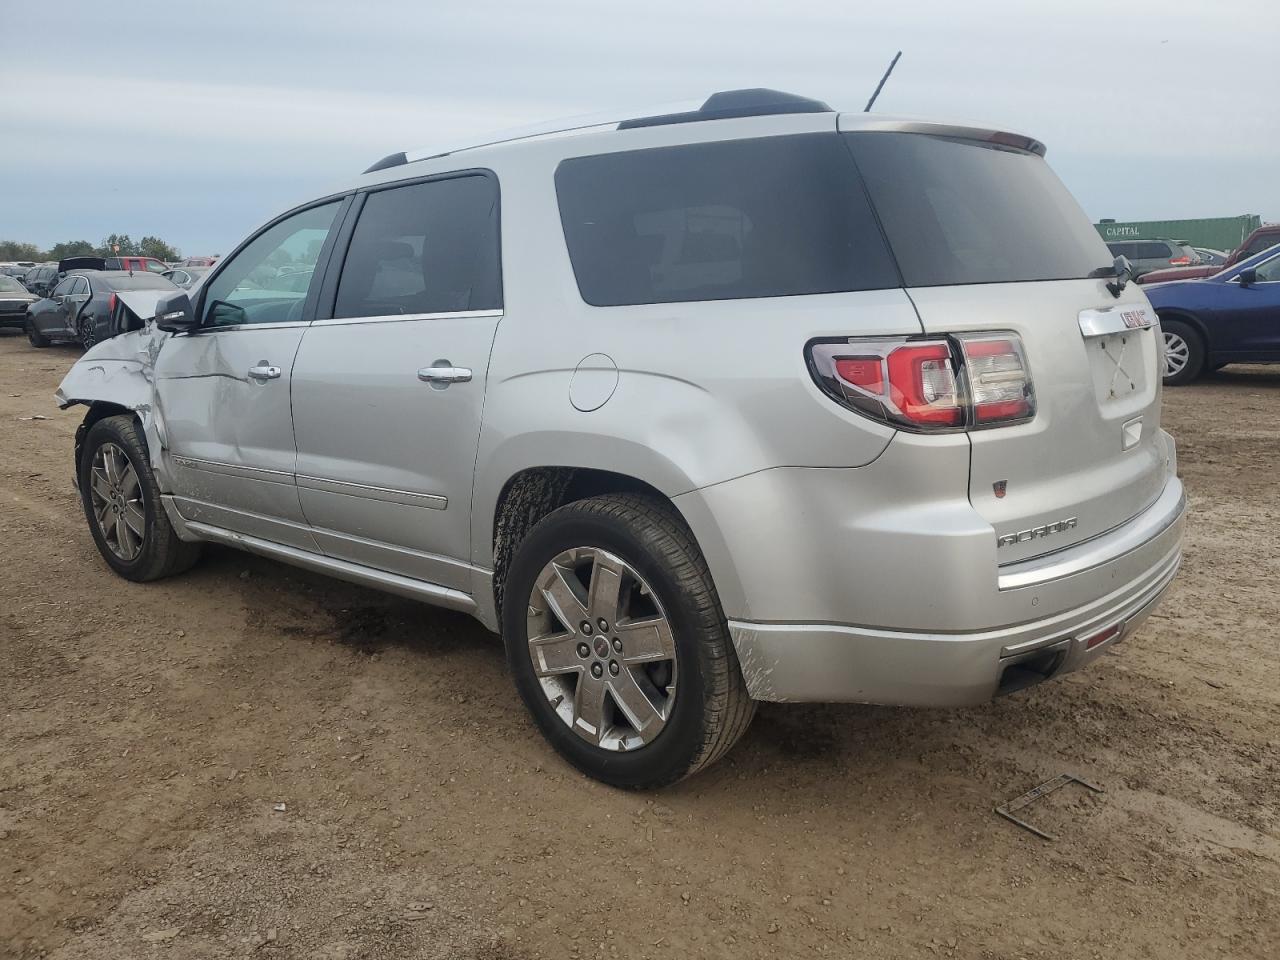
964,381
111,303
1180,261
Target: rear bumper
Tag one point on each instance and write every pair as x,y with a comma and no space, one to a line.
829,662
950,627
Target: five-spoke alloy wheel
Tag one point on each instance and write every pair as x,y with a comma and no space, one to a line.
617,642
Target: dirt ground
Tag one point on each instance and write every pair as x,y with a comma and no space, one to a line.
149,733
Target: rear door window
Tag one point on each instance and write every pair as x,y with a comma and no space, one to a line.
769,217
964,211
429,247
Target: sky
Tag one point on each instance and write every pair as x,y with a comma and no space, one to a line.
197,122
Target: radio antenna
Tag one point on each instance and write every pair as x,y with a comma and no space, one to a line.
880,86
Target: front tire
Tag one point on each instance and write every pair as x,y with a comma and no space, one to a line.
617,643
34,336
122,504
1183,352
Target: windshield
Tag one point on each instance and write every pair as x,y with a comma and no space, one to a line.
10,285
962,211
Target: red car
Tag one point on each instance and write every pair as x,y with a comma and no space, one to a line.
1267,235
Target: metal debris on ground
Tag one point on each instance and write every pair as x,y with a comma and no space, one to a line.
1006,810
279,808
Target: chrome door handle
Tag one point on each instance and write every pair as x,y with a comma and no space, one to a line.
440,374
264,372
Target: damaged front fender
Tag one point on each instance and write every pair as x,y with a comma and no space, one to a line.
119,375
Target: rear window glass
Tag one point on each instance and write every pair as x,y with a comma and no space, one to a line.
1264,242
961,211
139,281
768,217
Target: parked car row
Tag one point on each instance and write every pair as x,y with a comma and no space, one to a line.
80,307
1263,238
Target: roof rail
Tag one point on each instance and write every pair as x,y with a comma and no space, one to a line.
755,102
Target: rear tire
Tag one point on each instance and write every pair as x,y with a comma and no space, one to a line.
663,580
122,504
88,332
34,336
1183,352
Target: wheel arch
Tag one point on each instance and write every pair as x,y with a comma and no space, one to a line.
98,410
533,492
1192,320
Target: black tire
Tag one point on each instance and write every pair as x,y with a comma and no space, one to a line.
712,708
34,336
1195,351
88,332
161,553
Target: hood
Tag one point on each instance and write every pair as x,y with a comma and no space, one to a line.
142,302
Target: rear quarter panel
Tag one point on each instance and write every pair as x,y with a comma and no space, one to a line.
705,391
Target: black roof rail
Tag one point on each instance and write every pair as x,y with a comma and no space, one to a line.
755,102
390,160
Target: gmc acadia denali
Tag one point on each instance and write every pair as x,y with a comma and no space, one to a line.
753,401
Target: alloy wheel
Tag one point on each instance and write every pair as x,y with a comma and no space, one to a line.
602,649
87,334
1177,354
116,499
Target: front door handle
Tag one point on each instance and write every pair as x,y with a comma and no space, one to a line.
264,372
442,373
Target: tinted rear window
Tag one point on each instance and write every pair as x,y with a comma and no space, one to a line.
960,211
769,217
424,248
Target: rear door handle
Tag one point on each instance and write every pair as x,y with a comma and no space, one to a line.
264,372
441,373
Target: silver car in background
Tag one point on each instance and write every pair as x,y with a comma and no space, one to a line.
753,401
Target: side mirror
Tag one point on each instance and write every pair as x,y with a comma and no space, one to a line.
1248,276
174,313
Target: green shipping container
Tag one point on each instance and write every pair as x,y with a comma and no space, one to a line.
1220,233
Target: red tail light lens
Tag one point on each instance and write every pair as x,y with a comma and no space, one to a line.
1180,261
967,381
111,303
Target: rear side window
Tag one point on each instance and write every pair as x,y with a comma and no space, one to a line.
424,248
768,217
963,211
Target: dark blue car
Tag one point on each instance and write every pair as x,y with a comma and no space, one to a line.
1231,317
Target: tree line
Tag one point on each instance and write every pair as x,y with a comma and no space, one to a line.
116,245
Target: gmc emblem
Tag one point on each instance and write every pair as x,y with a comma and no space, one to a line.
1135,319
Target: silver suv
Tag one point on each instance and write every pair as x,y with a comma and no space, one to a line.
756,401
